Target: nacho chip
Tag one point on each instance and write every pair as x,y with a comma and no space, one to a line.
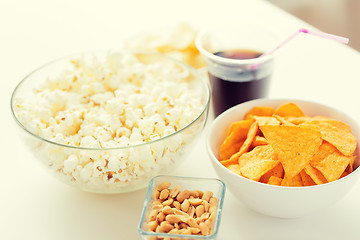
330,162
295,181
177,42
258,141
289,109
235,138
255,163
350,167
315,174
344,174
283,121
259,111
265,120
306,179
235,168
294,146
277,171
244,148
274,181
335,132
298,120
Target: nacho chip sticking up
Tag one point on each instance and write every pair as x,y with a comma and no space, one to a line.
335,132
266,120
289,109
306,179
255,163
283,120
235,138
259,141
259,111
330,162
245,146
294,146
315,174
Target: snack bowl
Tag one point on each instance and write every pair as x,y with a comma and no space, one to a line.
153,207
280,201
109,121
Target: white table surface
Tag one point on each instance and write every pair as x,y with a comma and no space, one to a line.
33,205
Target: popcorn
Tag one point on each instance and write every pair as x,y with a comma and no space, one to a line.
114,105
70,164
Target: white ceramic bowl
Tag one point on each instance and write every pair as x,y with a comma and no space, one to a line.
277,201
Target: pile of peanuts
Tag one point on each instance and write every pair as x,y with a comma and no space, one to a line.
182,212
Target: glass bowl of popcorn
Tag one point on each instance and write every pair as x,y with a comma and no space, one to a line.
108,122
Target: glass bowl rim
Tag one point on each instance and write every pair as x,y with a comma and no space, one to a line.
192,70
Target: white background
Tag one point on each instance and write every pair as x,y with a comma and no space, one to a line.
33,205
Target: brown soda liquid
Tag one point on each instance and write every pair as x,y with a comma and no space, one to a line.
239,54
227,93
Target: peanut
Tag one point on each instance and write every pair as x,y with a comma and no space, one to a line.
191,211
176,225
183,195
159,229
212,216
207,195
184,218
206,206
199,210
166,227
172,218
212,209
194,193
185,205
157,202
192,223
174,231
158,207
160,217
202,218
152,225
168,202
187,231
195,201
167,210
213,201
177,205
201,193
157,194
153,214
175,191
180,213
162,186
204,228
183,225
194,230
164,194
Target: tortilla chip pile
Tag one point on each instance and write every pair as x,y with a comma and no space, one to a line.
285,147
178,43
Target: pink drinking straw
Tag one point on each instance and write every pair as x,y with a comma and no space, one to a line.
303,30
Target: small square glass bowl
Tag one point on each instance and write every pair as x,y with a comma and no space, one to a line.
216,186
